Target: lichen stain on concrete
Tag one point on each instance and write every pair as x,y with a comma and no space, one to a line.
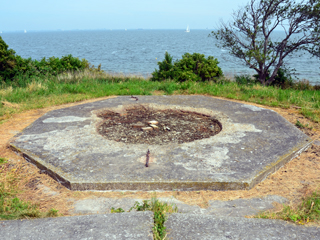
65,119
253,108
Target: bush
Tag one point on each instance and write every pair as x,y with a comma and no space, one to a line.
245,80
7,60
194,67
13,66
283,79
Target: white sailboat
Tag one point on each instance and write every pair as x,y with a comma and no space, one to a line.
25,31
188,29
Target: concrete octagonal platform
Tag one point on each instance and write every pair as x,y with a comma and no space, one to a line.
253,143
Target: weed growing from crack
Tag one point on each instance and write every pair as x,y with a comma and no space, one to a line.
160,214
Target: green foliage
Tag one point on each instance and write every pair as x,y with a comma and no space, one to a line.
166,69
307,211
194,67
145,206
245,80
7,60
299,124
52,213
15,208
283,79
3,160
13,67
118,210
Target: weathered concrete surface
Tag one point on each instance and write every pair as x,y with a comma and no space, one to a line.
233,208
136,225
253,143
243,207
102,205
204,227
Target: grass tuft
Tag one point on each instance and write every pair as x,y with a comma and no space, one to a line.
11,207
307,211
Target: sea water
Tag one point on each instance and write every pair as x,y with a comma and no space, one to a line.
138,51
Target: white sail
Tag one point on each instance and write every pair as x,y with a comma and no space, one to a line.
188,29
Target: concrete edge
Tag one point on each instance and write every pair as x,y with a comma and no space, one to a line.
164,185
272,168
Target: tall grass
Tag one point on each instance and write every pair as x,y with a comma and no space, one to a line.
39,93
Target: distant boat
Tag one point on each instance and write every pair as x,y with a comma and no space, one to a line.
25,31
188,29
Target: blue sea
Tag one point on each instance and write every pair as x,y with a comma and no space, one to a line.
138,51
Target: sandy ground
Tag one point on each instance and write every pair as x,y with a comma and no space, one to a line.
295,180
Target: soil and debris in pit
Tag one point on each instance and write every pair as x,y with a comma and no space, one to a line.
175,126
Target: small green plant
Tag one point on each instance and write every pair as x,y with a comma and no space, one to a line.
118,210
145,206
299,124
307,211
3,160
52,213
15,208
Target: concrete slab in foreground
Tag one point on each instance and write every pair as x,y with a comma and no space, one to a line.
253,143
136,225
204,227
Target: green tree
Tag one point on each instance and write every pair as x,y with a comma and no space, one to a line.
165,69
7,60
248,36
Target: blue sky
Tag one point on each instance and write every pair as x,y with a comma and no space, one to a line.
114,14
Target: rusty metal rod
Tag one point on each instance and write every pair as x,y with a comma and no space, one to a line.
134,98
147,160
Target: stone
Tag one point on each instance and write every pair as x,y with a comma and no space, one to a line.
199,227
155,127
133,225
147,129
153,122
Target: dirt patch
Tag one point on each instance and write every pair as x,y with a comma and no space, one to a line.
295,180
148,126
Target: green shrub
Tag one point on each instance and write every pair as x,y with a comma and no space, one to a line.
283,79
194,67
7,60
245,79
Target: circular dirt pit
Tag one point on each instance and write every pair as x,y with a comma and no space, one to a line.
141,125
